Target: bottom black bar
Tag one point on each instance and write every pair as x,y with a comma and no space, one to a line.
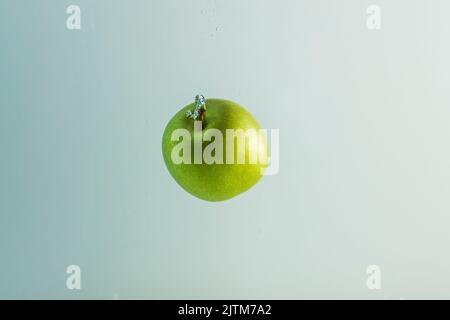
223,309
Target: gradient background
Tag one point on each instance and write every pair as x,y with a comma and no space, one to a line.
364,162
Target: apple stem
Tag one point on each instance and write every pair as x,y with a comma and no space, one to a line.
200,109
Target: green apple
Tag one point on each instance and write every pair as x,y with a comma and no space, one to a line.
229,175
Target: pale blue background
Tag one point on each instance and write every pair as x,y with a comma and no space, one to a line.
364,165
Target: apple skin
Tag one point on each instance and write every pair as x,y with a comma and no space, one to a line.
215,182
